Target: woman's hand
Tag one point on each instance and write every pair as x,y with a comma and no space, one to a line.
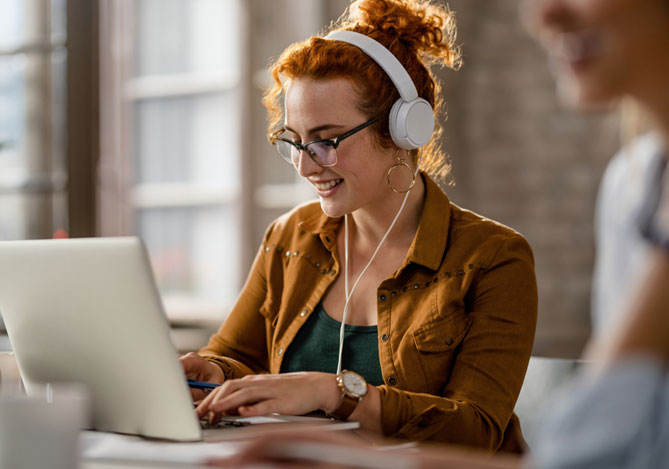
199,369
286,393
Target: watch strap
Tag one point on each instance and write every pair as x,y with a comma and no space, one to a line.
347,405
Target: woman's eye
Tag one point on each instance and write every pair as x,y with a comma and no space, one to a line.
325,143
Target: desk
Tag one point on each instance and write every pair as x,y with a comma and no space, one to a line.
101,449
337,452
126,465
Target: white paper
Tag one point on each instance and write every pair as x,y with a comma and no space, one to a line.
112,446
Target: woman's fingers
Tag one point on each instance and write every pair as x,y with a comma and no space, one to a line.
293,394
197,368
197,394
239,397
261,408
225,398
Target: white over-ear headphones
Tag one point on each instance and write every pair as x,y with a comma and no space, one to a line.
411,119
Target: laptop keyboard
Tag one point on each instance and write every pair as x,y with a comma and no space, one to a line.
223,423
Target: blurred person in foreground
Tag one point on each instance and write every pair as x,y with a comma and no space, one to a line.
616,413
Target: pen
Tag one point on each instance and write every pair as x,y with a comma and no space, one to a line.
202,385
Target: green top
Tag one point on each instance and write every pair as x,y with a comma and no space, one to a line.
316,348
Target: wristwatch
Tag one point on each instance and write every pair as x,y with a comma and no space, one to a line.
353,388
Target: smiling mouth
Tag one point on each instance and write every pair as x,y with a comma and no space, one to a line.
326,186
577,48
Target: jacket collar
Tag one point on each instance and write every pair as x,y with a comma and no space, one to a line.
429,244
430,241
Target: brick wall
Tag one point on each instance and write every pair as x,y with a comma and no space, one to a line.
520,158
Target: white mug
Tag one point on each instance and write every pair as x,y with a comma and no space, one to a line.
41,429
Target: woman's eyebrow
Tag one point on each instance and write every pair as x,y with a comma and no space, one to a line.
316,129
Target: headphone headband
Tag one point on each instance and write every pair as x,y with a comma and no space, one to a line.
411,119
383,57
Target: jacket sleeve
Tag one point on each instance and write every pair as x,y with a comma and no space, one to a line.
240,345
478,400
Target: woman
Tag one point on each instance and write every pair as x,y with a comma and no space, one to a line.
618,415
438,305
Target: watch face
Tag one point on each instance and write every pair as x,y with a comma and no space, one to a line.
354,383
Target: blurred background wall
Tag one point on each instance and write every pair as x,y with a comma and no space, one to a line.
520,158
144,117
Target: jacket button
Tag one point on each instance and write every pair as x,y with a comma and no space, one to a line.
393,293
304,312
384,337
280,351
449,341
287,253
392,381
382,297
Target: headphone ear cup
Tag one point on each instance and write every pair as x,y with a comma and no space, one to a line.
411,123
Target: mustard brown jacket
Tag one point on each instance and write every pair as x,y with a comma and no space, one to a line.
455,322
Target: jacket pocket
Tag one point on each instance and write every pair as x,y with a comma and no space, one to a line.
438,344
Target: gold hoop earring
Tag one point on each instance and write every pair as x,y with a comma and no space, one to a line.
400,164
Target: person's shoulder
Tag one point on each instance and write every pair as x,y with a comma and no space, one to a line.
461,222
468,228
469,232
635,157
306,216
628,173
644,146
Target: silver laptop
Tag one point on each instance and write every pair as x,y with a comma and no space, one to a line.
88,311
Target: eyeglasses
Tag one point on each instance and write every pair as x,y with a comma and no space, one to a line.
323,152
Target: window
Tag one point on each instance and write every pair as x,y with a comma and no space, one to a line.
33,170
176,176
181,85
33,180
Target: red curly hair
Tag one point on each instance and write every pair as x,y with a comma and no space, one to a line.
417,32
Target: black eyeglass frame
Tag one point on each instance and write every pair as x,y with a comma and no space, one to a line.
333,142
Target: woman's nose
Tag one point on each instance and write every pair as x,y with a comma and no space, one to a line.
543,17
305,165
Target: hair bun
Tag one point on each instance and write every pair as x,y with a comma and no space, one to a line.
425,28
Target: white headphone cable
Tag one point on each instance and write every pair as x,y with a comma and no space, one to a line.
346,291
